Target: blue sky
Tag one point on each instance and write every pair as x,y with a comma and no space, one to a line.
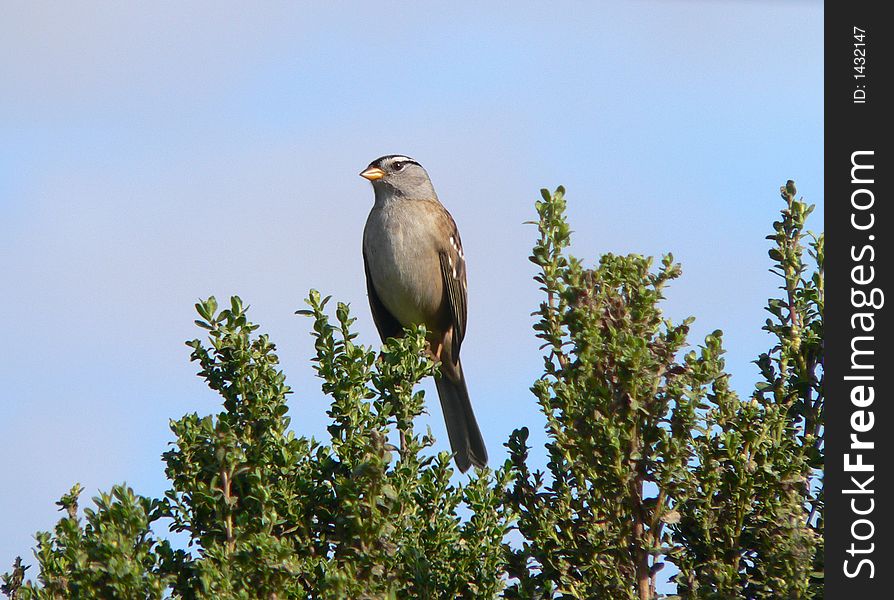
152,155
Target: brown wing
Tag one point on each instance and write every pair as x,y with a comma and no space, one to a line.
385,322
453,272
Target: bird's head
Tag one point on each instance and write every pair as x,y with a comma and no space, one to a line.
399,175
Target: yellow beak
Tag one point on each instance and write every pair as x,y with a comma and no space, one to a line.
373,173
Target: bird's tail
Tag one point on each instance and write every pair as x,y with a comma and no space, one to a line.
462,428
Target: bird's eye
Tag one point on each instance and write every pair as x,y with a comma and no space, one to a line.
399,165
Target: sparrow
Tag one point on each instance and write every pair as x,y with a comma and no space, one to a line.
416,274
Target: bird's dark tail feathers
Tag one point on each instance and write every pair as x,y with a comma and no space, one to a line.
462,428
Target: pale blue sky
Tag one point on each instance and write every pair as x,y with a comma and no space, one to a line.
151,155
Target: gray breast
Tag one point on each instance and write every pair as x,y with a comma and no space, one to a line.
402,250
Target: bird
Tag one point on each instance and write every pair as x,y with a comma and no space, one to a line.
416,274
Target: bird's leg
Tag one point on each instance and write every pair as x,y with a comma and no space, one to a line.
434,349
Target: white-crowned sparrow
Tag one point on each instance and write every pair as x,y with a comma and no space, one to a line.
416,273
